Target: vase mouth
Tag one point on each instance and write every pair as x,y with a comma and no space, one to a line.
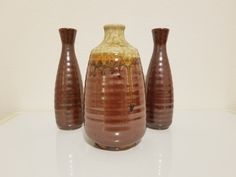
114,26
67,29
161,29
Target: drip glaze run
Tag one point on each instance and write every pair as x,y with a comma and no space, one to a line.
112,66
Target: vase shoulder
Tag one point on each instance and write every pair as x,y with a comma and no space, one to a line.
122,49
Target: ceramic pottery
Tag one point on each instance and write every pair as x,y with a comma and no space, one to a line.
68,87
159,87
115,108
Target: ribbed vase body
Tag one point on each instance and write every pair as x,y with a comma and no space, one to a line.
114,93
159,86
68,87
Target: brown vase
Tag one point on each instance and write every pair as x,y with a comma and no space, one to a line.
159,87
68,88
115,108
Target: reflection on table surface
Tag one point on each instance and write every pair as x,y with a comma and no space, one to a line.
75,158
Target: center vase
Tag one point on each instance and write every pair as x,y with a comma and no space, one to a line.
115,112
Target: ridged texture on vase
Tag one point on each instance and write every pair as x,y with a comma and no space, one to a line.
68,88
114,93
159,87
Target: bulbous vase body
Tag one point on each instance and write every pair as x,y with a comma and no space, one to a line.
114,93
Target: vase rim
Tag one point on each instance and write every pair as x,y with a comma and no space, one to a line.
67,29
160,29
116,26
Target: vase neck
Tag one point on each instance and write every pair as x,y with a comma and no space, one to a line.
67,36
160,52
68,47
160,47
114,34
160,36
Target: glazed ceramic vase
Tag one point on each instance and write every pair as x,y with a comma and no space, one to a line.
68,87
114,93
159,86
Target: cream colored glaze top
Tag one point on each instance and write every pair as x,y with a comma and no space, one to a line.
114,45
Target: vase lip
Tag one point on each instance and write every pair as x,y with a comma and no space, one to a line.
67,29
114,26
160,29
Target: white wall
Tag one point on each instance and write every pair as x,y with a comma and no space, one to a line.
201,46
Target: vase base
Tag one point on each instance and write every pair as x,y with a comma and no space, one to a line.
110,148
74,127
158,127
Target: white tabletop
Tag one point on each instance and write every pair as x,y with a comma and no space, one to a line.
198,144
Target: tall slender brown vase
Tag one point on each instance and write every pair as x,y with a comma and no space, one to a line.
115,108
68,88
159,85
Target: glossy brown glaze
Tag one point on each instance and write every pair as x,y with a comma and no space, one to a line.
114,96
159,87
68,87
